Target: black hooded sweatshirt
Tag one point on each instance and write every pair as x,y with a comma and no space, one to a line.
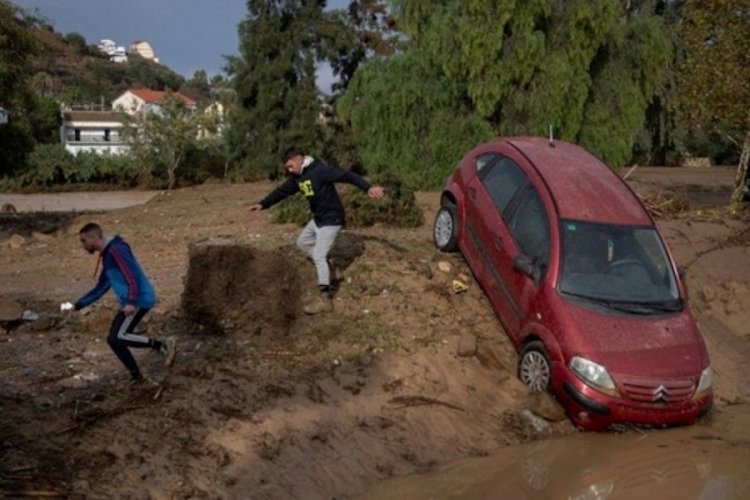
316,183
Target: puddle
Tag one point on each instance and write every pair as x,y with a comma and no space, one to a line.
708,461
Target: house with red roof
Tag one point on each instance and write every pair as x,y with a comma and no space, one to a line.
134,101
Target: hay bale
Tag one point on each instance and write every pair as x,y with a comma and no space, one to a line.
234,287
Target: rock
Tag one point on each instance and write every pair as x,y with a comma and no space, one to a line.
544,405
8,208
42,238
444,266
467,345
10,310
425,270
539,424
14,242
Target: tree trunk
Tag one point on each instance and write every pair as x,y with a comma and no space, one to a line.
741,177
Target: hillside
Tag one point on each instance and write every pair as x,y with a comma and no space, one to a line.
72,71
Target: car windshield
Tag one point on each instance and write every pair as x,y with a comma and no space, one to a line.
620,267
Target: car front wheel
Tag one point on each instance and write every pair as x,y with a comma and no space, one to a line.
445,230
534,367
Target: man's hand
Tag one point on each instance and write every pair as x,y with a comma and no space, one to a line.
128,310
376,192
256,208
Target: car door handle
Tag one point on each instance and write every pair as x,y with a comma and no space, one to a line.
472,193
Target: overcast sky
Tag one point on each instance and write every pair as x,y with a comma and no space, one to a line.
186,34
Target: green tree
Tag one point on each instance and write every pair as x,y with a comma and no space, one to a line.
274,79
714,81
366,28
588,69
162,138
18,48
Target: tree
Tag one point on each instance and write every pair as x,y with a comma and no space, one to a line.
274,79
715,77
18,48
197,87
162,138
366,28
588,69
77,42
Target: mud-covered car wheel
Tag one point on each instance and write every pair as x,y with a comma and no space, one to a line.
445,230
534,367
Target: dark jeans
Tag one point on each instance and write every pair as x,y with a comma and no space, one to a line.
121,337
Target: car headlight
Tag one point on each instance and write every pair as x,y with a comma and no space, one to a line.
594,375
704,385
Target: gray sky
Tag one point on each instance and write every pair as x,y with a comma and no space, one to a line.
186,34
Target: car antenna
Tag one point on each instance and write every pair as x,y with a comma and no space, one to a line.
551,138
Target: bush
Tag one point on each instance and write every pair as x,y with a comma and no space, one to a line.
397,209
51,165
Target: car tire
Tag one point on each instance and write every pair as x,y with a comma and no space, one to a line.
534,367
445,229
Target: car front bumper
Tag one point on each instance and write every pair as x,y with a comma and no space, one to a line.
593,410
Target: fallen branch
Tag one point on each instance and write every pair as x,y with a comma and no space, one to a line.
405,401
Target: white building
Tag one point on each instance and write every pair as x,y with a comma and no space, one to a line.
143,49
115,52
96,131
134,101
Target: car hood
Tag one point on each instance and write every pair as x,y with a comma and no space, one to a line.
637,346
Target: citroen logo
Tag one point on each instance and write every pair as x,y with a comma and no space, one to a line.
660,394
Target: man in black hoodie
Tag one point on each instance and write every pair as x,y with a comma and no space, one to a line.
315,180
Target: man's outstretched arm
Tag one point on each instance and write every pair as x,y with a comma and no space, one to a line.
288,188
337,174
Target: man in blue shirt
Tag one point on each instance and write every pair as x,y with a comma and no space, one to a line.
135,296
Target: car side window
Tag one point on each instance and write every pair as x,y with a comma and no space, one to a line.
529,226
503,179
483,162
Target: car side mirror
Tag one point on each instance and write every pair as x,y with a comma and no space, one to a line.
527,266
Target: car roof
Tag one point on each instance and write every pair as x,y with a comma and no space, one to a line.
582,186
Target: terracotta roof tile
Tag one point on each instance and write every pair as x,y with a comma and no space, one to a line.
154,96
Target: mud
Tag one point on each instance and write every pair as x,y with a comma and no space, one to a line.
316,407
234,287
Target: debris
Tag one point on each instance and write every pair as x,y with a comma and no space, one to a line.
8,208
539,424
42,238
467,345
459,286
14,242
444,266
544,405
405,401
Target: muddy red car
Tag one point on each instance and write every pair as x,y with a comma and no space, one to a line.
581,280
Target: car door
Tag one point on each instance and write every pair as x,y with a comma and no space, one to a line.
528,224
491,193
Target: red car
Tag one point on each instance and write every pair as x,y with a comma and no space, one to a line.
581,280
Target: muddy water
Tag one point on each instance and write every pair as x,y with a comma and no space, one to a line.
707,461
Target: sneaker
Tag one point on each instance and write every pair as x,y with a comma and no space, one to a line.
168,349
321,304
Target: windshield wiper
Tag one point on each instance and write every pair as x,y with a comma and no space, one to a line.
632,307
662,306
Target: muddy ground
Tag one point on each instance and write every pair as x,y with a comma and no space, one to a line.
286,405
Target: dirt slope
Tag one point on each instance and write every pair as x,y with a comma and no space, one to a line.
309,408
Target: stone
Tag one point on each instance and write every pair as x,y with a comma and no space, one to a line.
444,266
537,423
467,345
544,405
14,242
10,310
42,238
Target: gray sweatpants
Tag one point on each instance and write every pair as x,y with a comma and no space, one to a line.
316,242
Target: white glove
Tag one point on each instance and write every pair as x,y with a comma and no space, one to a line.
66,306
